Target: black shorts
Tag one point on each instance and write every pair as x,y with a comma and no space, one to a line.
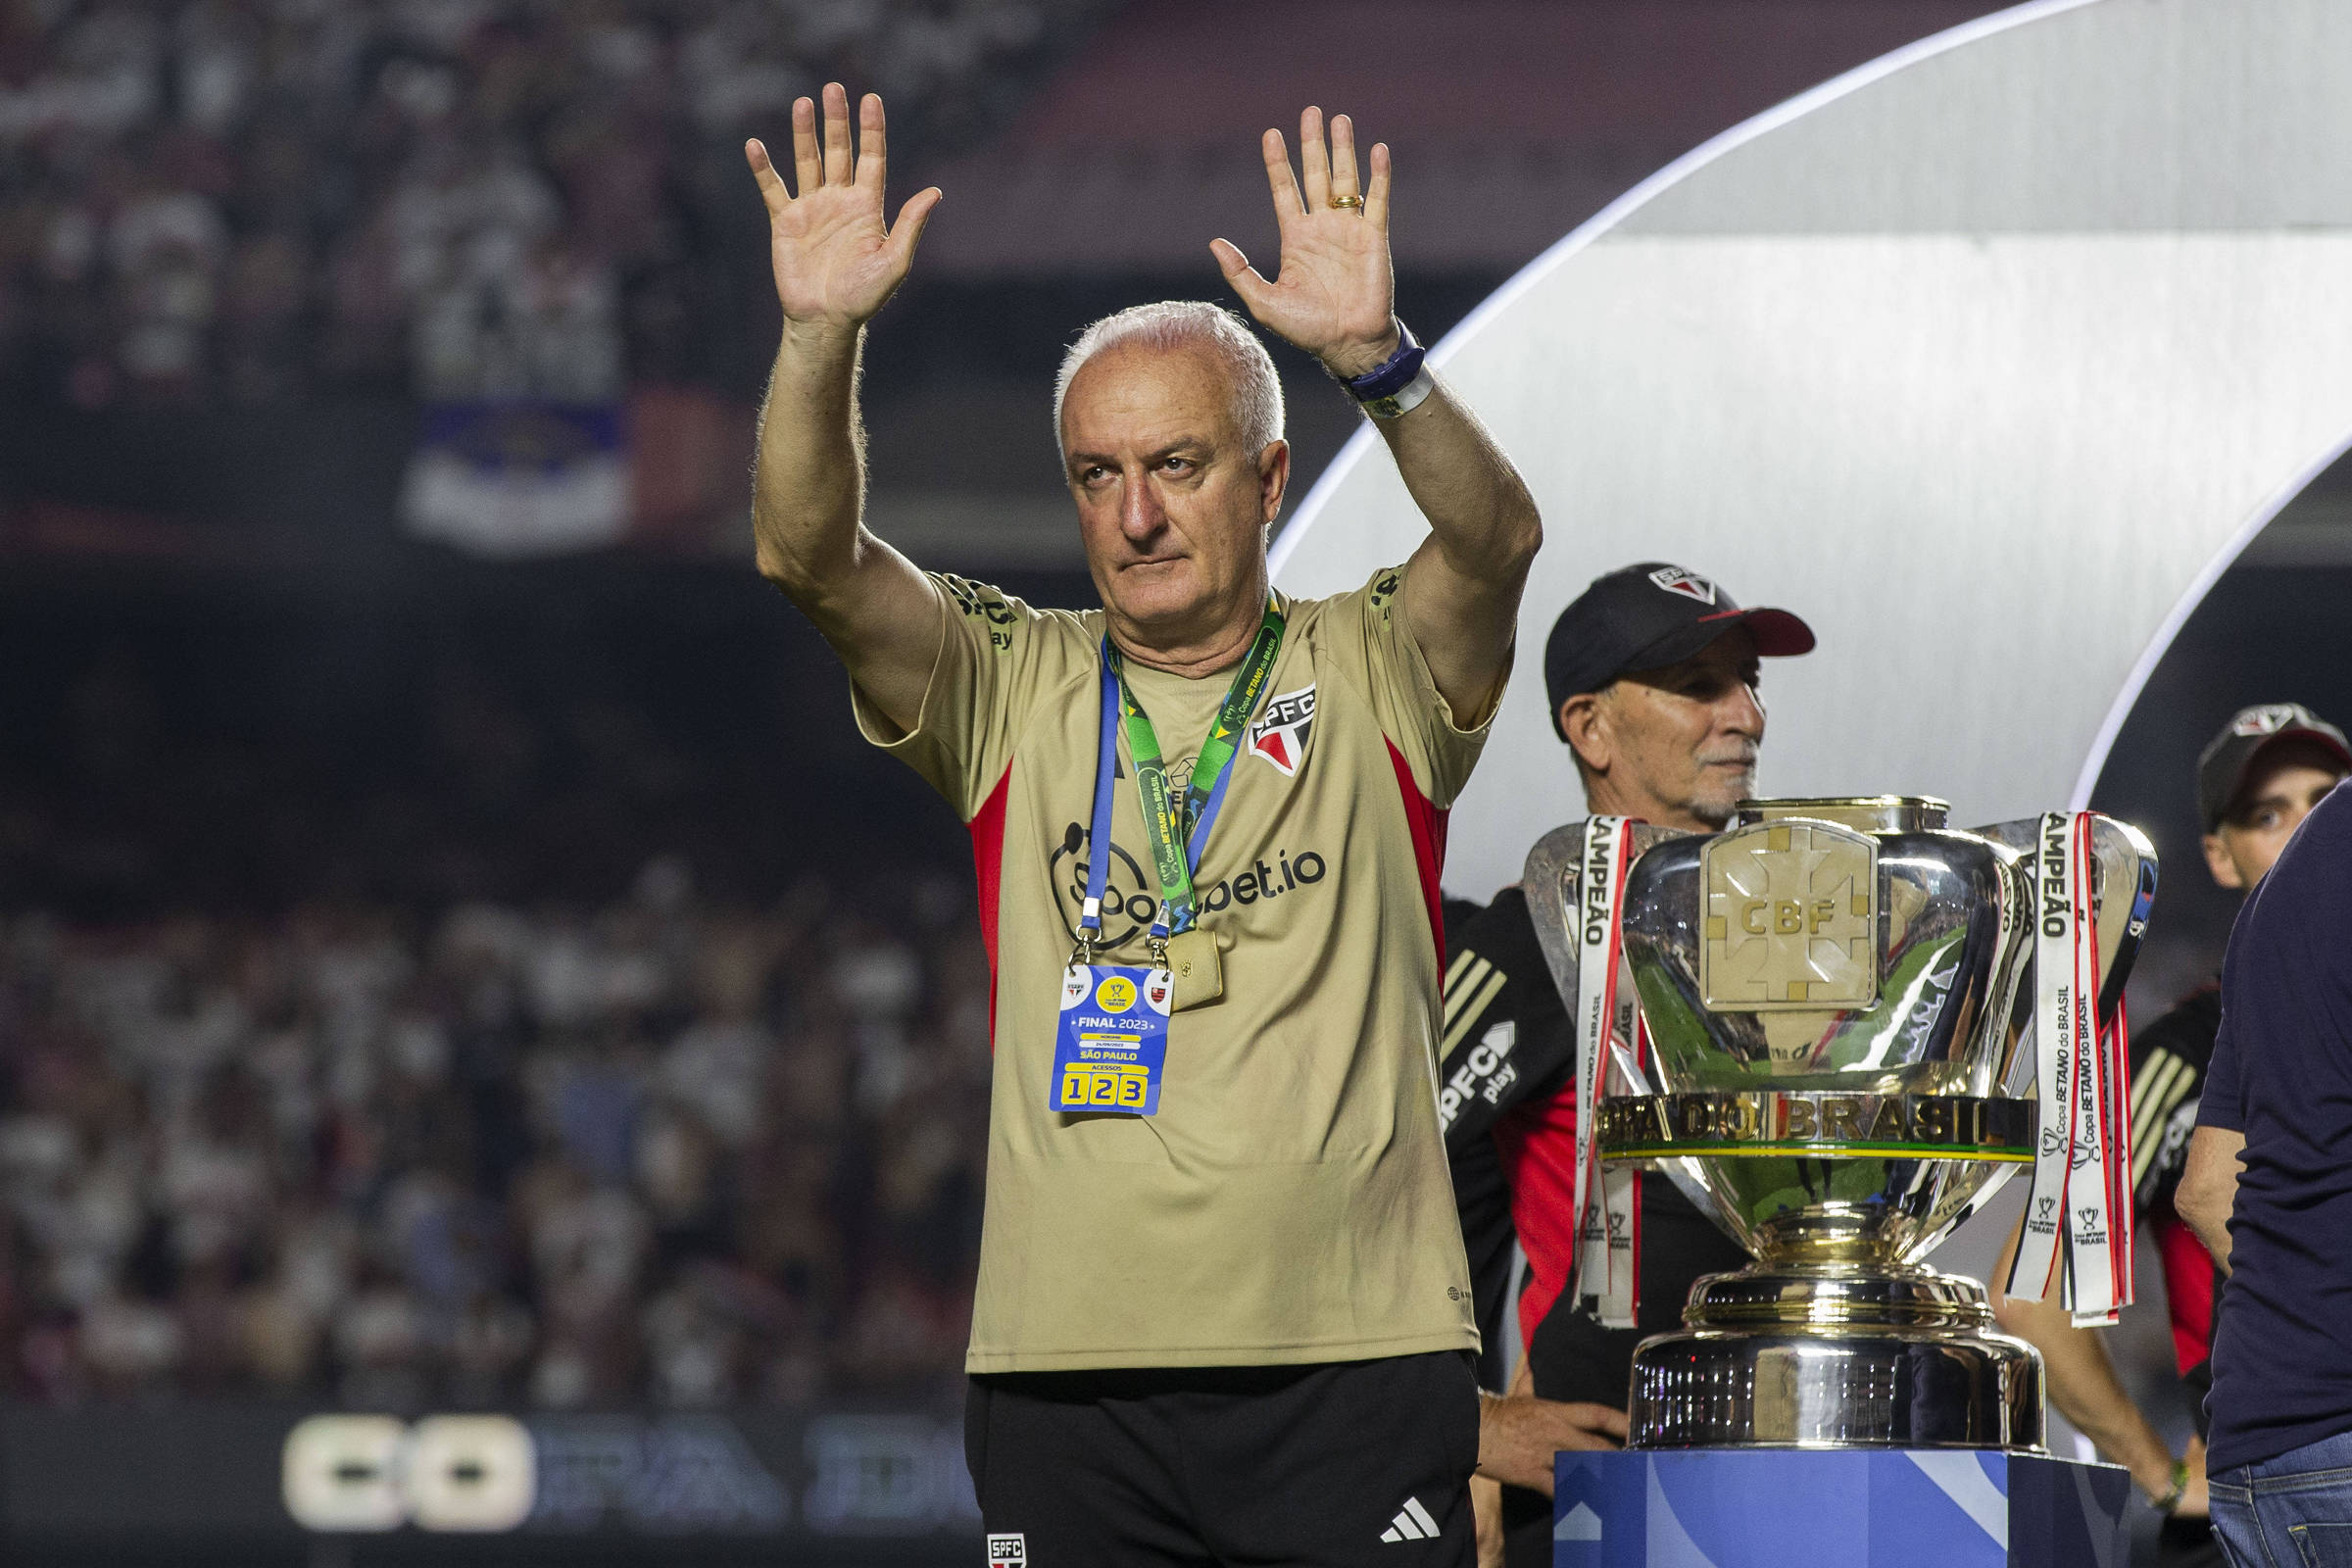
1574,1358
1344,1462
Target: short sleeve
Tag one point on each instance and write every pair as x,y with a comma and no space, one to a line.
1505,1035
2168,1059
992,659
1404,696
2224,1102
2165,1096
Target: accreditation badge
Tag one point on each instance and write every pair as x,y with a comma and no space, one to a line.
1111,1044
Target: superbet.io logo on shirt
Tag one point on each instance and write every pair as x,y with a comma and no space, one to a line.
1127,907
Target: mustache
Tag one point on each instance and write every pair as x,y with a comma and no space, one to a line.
1740,756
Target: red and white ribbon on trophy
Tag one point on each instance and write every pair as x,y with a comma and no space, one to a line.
1608,1202
2077,1230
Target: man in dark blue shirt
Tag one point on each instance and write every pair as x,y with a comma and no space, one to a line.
2278,1100
2268,767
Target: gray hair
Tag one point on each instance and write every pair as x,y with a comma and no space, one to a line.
1257,405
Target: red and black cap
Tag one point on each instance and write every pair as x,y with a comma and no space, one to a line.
1648,617
2223,766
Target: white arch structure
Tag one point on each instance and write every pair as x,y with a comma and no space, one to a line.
1987,358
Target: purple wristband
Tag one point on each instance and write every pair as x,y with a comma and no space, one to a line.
1392,375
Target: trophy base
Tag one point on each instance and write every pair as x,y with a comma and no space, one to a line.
1837,1359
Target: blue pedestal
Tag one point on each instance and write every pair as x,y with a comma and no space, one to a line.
1848,1508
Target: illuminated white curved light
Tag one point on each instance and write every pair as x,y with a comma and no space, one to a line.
2049,289
2095,762
1362,442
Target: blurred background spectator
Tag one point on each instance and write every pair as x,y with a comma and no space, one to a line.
254,199
664,1150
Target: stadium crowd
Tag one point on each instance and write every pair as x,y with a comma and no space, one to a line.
249,199
658,1150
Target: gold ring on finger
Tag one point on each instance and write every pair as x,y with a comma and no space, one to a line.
1347,201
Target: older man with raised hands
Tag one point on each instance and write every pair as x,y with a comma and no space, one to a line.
1223,1311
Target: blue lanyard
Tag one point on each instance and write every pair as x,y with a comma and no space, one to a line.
1097,844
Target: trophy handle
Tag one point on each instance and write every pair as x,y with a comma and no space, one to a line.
1553,882
2125,891
2123,888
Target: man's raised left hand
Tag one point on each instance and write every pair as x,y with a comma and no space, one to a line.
1334,294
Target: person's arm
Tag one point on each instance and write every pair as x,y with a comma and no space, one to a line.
1333,295
1486,1513
2209,1188
2082,1385
836,263
1518,1433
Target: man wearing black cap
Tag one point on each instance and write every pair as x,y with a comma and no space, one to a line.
1651,675
2256,782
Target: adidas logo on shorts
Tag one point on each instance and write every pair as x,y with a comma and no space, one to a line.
1413,1523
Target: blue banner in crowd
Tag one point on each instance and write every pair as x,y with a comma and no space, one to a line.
519,476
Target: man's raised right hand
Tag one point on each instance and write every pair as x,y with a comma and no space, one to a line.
836,261
836,264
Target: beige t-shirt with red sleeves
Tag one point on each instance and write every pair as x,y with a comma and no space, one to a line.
1289,1200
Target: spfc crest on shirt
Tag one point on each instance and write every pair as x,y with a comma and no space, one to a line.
1279,734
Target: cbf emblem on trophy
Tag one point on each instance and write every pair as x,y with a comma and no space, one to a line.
1791,917
1840,1027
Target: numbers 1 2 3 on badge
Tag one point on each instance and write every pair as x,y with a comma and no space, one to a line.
1111,1043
